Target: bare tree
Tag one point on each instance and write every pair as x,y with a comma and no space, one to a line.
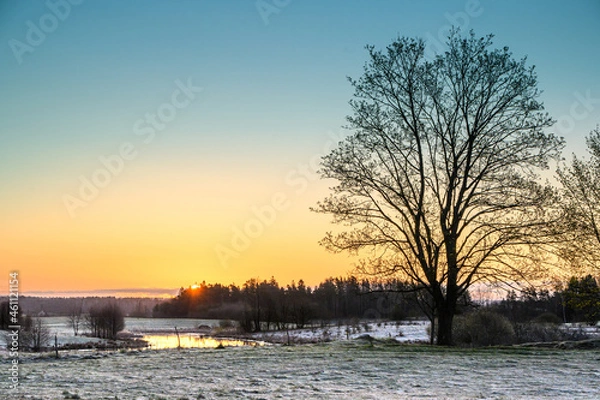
35,334
581,191
438,180
74,319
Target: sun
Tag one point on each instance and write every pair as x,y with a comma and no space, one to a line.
195,286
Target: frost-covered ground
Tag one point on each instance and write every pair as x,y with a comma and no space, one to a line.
400,331
336,370
406,332
335,366
139,326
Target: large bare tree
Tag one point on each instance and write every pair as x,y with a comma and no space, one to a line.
438,180
581,194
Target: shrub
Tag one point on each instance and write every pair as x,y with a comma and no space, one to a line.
482,328
547,318
226,324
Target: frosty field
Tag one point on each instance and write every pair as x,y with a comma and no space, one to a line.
323,371
343,368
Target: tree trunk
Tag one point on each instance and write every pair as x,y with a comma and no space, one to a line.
447,304
444,326
446,308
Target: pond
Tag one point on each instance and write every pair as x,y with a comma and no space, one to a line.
194,340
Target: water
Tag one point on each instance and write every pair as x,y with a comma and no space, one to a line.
194,340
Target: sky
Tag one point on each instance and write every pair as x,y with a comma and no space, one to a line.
149,145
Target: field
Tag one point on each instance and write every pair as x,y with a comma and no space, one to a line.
324,371
341,369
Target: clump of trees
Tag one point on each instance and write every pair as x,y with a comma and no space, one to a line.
105,322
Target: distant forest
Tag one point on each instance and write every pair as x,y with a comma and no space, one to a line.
64,306
266,305
259,305
263,305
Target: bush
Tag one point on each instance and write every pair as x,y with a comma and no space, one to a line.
226,324
547,318
482,328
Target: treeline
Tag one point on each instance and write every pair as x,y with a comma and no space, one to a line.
63,306
579,301
263,305
533,316
259,305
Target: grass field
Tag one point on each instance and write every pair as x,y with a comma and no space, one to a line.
325,371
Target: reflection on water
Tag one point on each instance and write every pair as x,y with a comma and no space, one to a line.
193,340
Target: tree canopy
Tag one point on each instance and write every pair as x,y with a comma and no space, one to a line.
438,180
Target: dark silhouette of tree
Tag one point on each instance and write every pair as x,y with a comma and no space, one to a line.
582,295
439,178
106,322
4,315
253,311
300,303
35,335
75,316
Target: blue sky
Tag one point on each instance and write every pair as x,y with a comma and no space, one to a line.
274,92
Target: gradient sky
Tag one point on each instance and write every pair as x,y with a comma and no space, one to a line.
85,82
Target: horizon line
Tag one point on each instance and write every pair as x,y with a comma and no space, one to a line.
121,293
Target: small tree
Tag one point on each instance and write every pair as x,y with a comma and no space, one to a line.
35,335
75,315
